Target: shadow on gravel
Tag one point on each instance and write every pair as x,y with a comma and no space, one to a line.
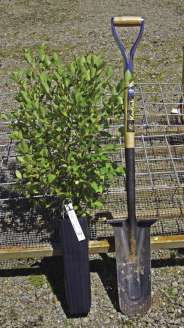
54,271
162,263
52,268
106,269
20,272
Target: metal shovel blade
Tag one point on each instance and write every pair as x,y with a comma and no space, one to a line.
133,272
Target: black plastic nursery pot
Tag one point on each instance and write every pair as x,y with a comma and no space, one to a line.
76,268
133,271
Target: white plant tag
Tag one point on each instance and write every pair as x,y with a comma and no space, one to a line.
175,111
74,221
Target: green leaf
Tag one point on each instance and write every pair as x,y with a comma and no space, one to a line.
120,86
16,135
109,71
120,170
51,178
41,53
120,100
67,82
98,61
97,204
96,187
17,75
56,76
113,92
72,68
89,59
21,159
55,58
78,98
4,116
47,60
108,147
93,72
86,75
43,80
82,61
23,147
18,174
25,96
100,189
29,56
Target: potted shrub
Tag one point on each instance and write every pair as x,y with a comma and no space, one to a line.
59,127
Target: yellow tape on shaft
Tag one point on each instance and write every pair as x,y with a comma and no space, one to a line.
130,140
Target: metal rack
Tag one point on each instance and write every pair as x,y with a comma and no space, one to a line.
159,162
159,175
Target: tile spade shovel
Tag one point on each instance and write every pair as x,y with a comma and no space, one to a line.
132,237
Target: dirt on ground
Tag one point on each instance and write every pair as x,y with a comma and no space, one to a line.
75,27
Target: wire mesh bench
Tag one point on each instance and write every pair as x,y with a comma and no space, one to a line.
159,180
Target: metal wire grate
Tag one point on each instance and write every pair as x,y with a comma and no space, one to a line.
159,163
159,174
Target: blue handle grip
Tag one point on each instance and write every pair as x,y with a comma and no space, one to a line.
128,59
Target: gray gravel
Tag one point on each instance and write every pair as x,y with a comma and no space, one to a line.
34,297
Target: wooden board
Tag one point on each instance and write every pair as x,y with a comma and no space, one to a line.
95,247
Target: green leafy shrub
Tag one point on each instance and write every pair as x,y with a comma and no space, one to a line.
60,125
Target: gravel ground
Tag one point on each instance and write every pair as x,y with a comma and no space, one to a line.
34,297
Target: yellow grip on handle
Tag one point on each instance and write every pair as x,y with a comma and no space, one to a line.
128,21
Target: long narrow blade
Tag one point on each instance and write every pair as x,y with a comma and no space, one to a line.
133,272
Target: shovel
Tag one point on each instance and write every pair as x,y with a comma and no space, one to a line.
132,238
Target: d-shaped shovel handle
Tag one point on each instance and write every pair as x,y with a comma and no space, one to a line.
127,21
